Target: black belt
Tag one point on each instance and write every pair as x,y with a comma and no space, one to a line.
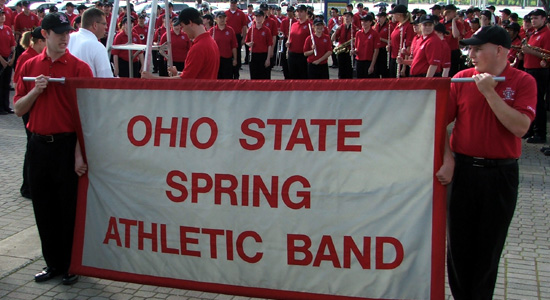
484,162
51,138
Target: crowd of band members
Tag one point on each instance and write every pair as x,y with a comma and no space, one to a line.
381,45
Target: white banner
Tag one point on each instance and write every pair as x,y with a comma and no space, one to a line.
305,193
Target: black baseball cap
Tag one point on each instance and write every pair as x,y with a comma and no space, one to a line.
506,11
318,21
25,3
527,18
489,34
37,33
264,6
428,19
437,6
69,4
401,9
451,7
259,12
347,13
513,26
490,7
176,21
53,9
290,9
301,7
474,20
81,6
538,12
367,17
440,28
487,13
58,22
221,14
381,14
1,11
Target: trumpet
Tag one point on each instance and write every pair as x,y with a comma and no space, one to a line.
343,48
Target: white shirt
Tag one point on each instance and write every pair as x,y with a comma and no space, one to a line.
84,45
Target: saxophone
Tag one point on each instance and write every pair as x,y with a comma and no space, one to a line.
343,48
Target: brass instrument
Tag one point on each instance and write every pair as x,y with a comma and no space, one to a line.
343,48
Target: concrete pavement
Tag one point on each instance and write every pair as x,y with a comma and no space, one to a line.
524,270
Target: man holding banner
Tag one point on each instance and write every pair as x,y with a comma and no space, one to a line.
53,151
202,60
490,119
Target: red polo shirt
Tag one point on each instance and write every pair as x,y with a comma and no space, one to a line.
298,34
285,27
200,63
477,131
158,34
271,25
452,41
366,43
53,111
9,16
141,32
408,35
236,20
261,37
24,23
427,52
122,38
383,32
322,44
540,38
445,57
180,45
225,39
7,41
26,55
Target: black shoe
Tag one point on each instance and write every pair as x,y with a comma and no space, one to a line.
46,275
10,111
536,140
11,88
26,194
246,62
544,149
547,152
69,279
334,66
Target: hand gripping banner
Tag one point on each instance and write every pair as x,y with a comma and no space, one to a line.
273,189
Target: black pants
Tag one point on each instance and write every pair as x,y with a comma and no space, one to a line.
163,71
124,70
236,69
538,127
481,207
381,68
297,66
317,71
53,184
5,79
257,66
25,186
455,62
247,54
363,69
226,68
284,60
345,69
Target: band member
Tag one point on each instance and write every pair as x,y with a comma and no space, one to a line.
199,63
285,29
227,44
180,46
260,42
436,10
7,59
317,49
383,27
158,60
10,15
297,62
25,21
273,27
456,29
207,21
514,57
527,29
54,154
358,15
492,9
333,23
538,67
237,20
121,58
505,15
249,20
343,35
69,11
486,18
490,118
426,54
474,27
141,29
171,14
367,45
445,65
401,38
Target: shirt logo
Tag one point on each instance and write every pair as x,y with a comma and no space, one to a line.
305,27
508,94
325,40
227,33
263,33
63,19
